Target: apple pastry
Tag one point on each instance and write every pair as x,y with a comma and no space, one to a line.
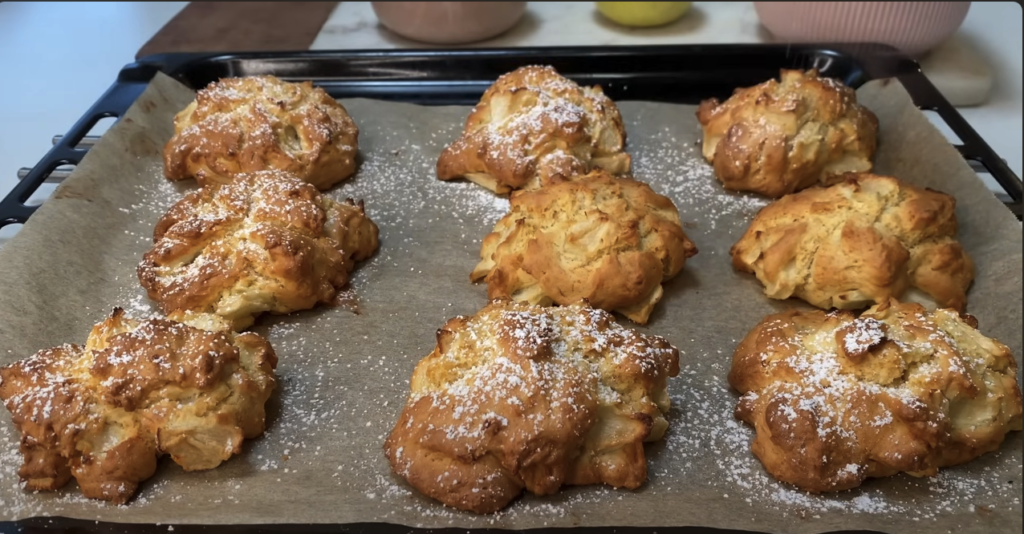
837,399
534,127
104,413
255,123
782,136
527,397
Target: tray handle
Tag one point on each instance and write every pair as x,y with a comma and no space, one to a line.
974,149
114,103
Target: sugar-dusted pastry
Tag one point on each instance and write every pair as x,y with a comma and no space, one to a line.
859,242
837,399
104,413
532,128
610,240
266,242
526,397
783,136
241,125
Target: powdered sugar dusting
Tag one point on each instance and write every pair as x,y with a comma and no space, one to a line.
343,377
674,168
510,356
703,431
400,185
867,333
261,113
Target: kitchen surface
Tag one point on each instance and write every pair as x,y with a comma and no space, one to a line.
57,75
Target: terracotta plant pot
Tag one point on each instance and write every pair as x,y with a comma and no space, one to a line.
913,27
449,22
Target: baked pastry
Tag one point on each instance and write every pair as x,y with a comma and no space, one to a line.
612,241
783,136
105,413
532,128
837,399
266,242
241,125
859,242
520,396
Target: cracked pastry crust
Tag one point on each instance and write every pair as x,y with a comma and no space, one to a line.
782,136
266,242
104,413
533,128
525,397
612,241
859,242
837,399
240,125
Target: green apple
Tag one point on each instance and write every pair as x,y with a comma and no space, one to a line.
643,14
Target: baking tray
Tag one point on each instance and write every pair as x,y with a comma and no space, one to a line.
681,74
674,74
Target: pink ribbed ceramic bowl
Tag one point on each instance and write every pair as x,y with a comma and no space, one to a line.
913,27
449,22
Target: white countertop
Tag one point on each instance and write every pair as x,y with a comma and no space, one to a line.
58,58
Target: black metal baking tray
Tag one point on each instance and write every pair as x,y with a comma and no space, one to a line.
683,74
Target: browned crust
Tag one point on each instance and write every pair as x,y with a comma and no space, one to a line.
266,242
242,125
782,136
533,127
856,243
510,400
837,399
612,241
105,412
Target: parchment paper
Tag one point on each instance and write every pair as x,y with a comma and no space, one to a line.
344,377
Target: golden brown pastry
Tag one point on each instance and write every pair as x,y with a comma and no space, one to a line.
105,413
859,242
532,128
241,125
783,136
836,399
612,241
266,242
521,396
